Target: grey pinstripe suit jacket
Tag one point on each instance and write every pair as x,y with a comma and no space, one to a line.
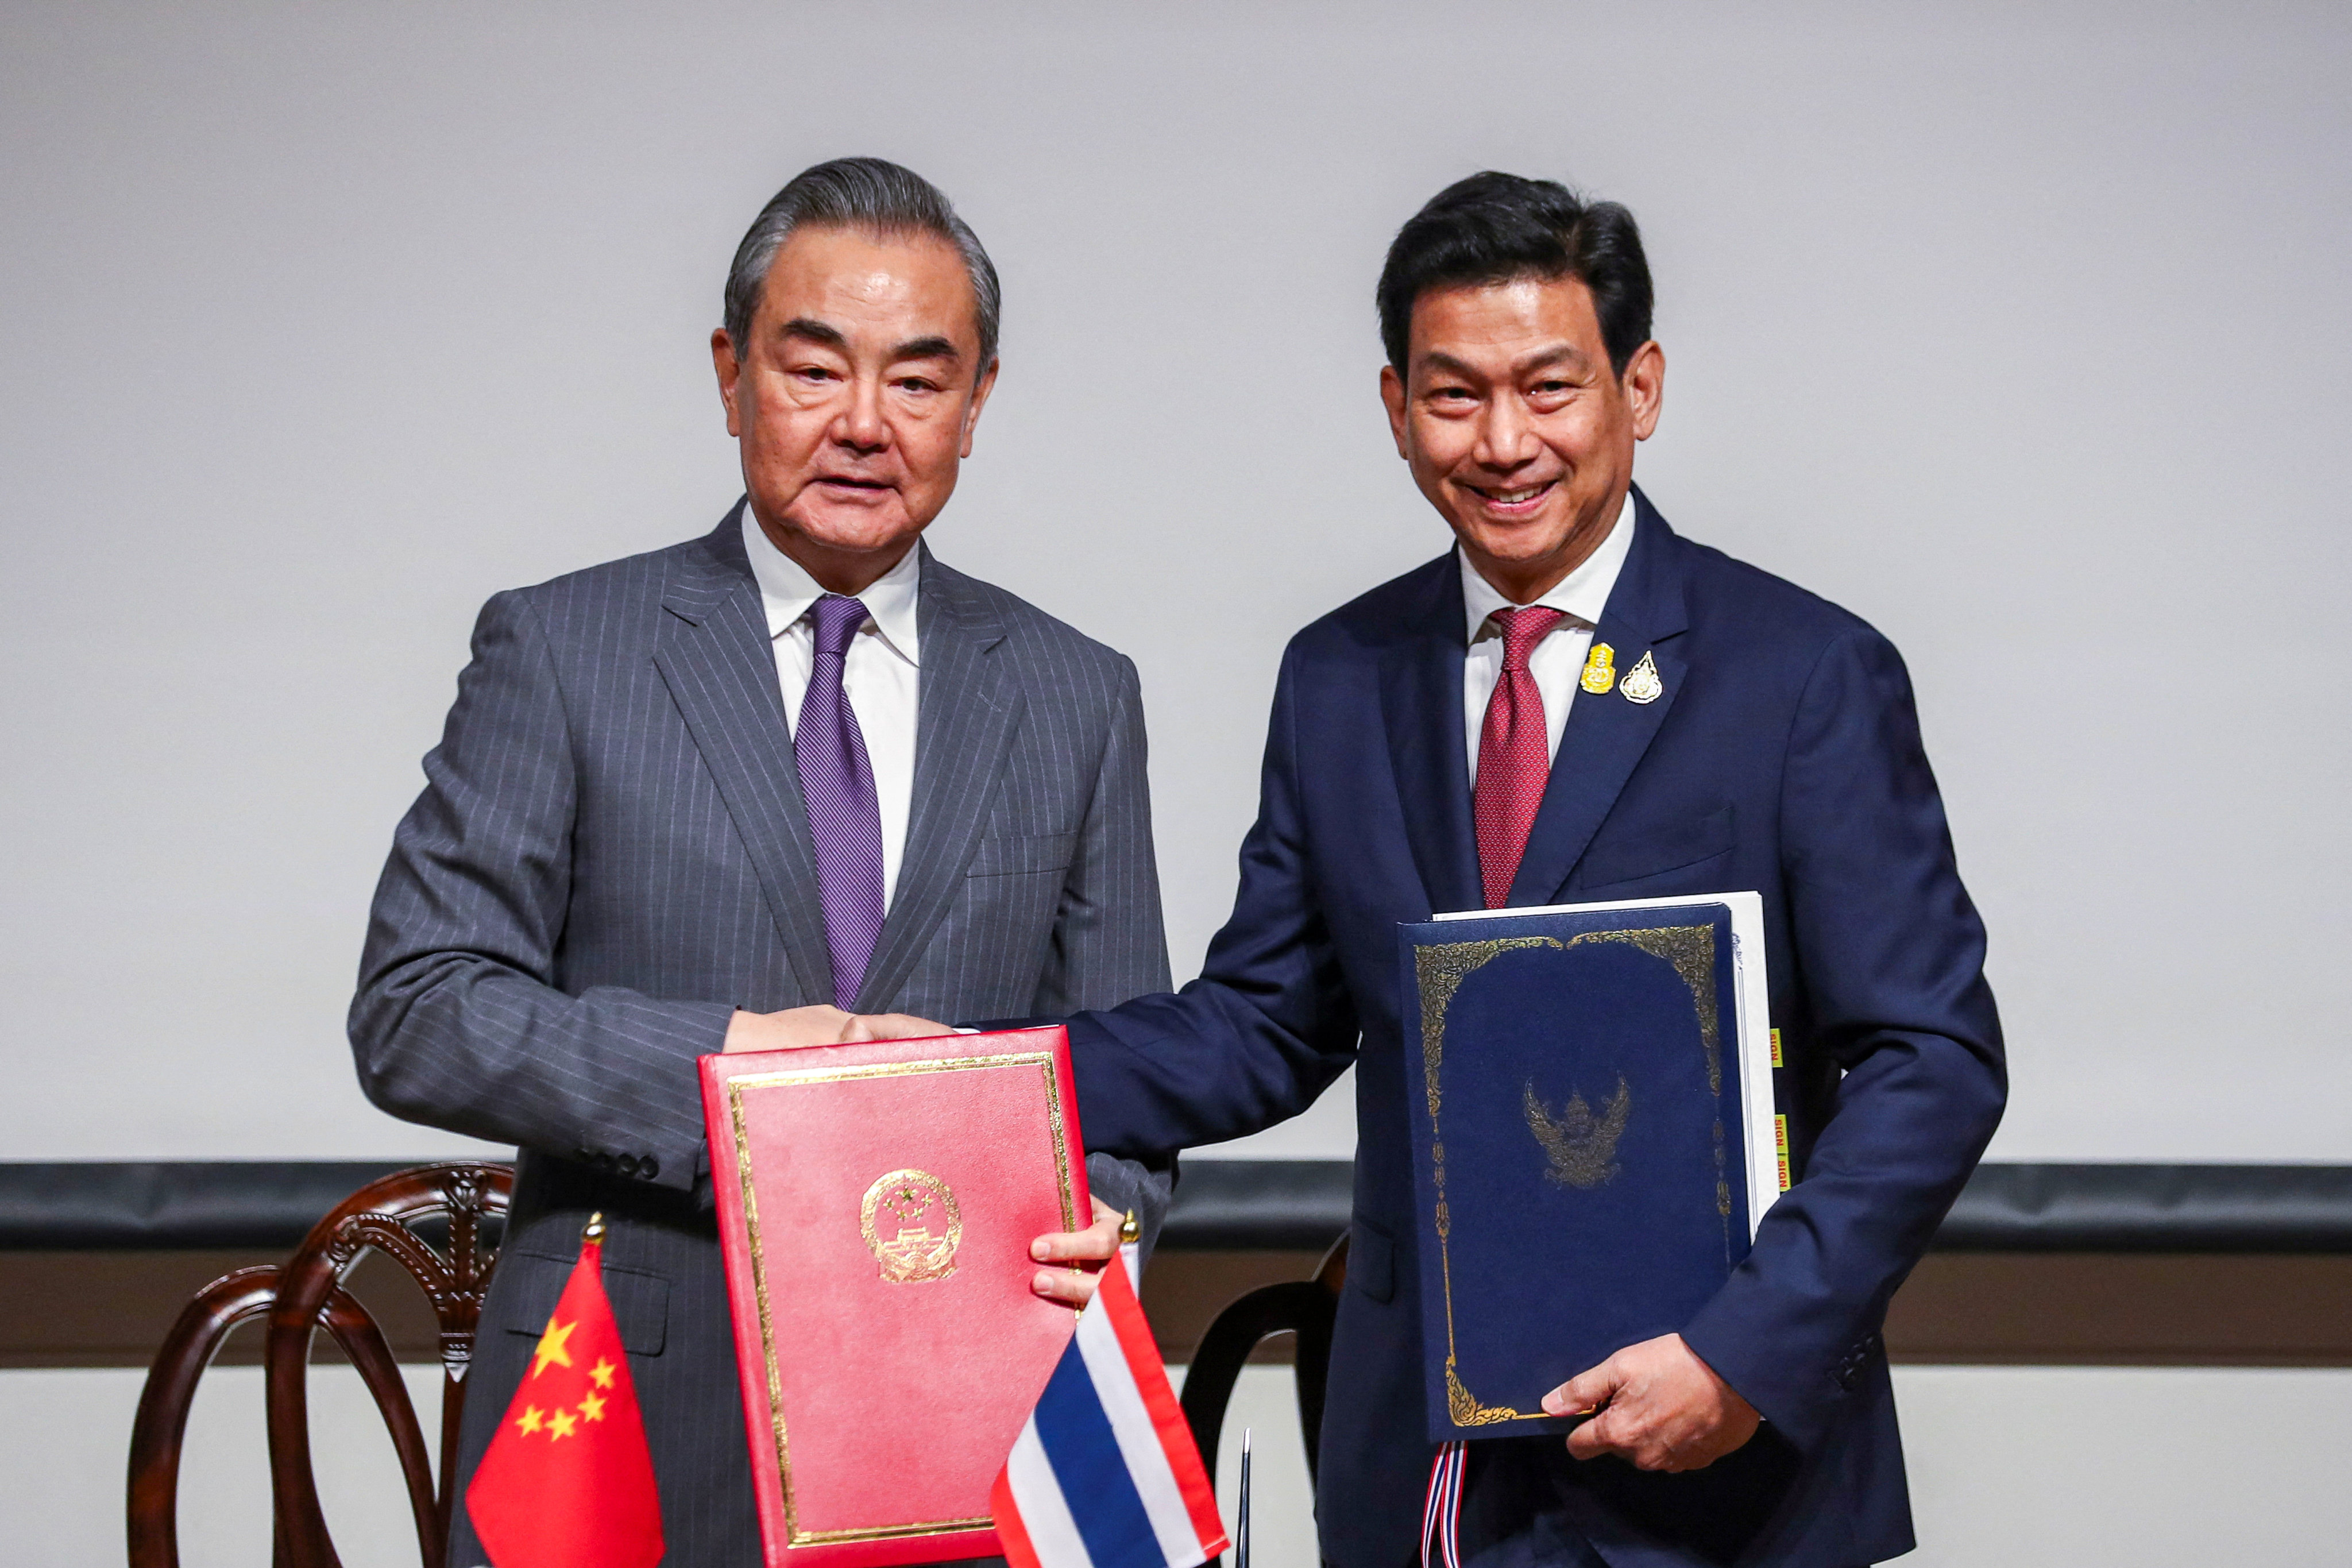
611,856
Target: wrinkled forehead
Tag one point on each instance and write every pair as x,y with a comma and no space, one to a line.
866,284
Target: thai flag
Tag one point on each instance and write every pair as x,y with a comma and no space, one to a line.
1105,1474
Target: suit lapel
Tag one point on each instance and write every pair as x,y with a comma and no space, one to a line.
1607,733
714,652
1421,698
970,708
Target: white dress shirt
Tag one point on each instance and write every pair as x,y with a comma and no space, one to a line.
881,674
1558,660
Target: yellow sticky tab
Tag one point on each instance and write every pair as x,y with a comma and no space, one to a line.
1776,1049
1781,1141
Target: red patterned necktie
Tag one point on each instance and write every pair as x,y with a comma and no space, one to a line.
1514,753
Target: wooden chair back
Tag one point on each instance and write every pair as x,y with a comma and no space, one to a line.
430,1220
1307,1307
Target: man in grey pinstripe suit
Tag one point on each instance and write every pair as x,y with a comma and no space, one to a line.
719,796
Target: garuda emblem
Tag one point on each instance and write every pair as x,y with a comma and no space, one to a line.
1581,1146
910,1220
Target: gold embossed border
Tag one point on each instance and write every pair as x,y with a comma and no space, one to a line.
800,1076
1439,970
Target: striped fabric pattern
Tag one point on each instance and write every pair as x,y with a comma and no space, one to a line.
611,853
1441,1512
1105,1474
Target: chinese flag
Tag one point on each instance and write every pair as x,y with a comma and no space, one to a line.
568,1481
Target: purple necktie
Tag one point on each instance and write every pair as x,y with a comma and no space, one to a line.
837,785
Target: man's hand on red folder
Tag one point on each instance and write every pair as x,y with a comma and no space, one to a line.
788,1030
1089,1249
893,1027
1661,1407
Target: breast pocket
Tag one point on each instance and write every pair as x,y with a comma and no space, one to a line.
1653,854
1020,854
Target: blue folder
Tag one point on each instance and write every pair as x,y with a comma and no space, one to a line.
1579,1145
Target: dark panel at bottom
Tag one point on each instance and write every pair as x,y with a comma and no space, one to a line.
2125,1309
1996,1309
111,1308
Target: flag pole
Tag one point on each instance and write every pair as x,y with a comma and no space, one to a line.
1240,1529
1130,1252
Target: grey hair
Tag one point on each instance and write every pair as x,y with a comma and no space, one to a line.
867,194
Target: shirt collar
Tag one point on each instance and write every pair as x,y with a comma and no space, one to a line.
1583,592
786,591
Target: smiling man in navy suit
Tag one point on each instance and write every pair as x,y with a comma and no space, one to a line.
1577,703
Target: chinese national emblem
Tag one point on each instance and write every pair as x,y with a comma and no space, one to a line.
1642,683
1599,669
911,1221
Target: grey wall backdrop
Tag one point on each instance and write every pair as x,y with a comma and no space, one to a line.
2019,331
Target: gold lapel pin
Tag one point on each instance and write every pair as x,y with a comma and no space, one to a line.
1642,683
1599,668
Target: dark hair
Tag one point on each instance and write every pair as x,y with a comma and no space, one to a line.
866,194
1496,229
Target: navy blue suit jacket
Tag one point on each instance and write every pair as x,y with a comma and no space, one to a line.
1784,756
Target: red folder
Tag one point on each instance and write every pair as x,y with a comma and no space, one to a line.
875,1206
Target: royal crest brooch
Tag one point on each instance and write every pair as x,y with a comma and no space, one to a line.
1642,683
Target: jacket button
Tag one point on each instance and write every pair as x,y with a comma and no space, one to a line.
628,1164
649,1167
